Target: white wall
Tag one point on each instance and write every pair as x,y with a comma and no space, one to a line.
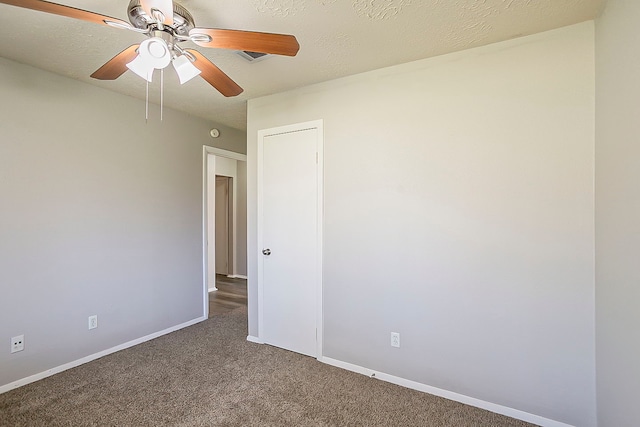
618,213
100,213
459,212
225,167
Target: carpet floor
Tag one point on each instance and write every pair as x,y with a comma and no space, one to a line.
223,380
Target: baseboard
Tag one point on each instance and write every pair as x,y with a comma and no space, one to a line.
237,276
253,339
471,401
212,289
49,372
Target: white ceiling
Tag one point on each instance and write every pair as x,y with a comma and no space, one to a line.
337,38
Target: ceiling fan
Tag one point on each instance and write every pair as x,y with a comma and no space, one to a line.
167,24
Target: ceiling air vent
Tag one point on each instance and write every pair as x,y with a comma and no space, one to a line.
252,56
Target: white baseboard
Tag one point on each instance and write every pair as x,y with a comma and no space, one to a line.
253,339
36,377
212,289
237,276
498,409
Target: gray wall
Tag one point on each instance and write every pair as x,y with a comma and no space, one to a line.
100,213
618,213
459,212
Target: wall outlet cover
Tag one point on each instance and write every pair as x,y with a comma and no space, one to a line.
17,343
395,339
93,321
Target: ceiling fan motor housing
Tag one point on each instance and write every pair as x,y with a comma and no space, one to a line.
182,20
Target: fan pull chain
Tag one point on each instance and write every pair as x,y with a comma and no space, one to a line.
161,91
146,105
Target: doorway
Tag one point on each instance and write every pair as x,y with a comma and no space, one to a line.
290,237
231,167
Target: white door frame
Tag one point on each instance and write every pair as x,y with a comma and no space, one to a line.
206,197
319,126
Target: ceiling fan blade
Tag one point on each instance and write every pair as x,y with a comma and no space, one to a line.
164,6
278,44
71,12
215,76
117,65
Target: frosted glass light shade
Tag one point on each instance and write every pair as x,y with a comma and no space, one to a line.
141,68
153,53
185,69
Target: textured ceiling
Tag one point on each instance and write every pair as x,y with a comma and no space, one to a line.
337,38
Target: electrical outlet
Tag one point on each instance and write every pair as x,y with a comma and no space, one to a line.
93,321
17,344
395,339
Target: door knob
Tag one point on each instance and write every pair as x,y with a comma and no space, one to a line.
266,251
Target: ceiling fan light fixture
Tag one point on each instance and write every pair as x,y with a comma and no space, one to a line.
185,69
155,52
141,68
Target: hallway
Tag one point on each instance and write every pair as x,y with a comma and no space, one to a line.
231,294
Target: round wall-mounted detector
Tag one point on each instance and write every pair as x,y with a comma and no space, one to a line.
214,133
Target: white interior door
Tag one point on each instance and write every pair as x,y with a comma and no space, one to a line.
290,240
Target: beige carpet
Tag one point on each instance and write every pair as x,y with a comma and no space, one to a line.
223,380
